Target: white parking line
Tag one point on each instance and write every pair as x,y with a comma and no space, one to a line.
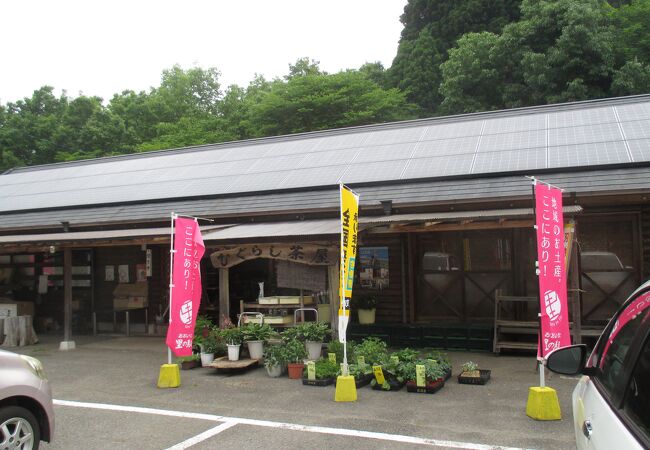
231,421
203,436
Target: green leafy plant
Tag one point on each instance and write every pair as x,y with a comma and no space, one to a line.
358,371
406,354
470,369
295,351
193,357
202,328
363,301
275,355
432,370
373,350
312,331
324,369
441,359
336,347
210,342
290,334
256,332
231,335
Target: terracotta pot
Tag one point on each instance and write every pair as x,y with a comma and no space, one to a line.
295,370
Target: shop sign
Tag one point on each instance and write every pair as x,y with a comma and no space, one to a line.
312,254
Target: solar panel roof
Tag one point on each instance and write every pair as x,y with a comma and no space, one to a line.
583,134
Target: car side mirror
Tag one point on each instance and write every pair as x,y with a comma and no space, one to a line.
567,360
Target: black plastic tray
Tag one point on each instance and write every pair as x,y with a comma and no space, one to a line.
485,376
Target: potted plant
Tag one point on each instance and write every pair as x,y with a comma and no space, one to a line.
365,305
372,349
313,334
275,359
326,372
233,338
362,374
255,334
391,369
443,361
209,344
202,328
434,376
471,374
295,353
188,362
406,355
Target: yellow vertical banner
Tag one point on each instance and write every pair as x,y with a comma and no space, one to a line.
349,230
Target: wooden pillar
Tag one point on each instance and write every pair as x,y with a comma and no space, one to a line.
333,277
574,289
224,295
404,282
411,275
68,343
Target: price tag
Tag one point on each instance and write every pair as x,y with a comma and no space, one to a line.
361,360
394,359
379,374
311,370
332,357
420,375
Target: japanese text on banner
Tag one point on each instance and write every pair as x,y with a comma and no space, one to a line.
186,286
549,220
349,229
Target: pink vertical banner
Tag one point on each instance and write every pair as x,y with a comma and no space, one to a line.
186,286
554,332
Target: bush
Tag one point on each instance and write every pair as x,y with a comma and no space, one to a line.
295,351
275,355
312,331
231,335
256,332
373,350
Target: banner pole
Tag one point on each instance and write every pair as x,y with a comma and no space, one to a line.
342,286
540,352
171,285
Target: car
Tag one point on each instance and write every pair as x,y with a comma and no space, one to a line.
26,409
611,403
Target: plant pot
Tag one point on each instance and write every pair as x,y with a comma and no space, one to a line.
314,349
481,380
274,371
206,359
187,365
233,352
295,370
430,388
367,316
255,349
324,312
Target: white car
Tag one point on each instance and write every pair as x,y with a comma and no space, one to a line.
611,403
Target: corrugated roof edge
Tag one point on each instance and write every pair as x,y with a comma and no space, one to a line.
594,103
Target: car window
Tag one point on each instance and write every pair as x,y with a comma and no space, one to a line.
637,397
619,340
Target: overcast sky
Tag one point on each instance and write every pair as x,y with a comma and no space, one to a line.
101,47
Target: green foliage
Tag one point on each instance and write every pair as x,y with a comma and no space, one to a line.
632,28
324,369
363,301
406,354
373,349
469,366
202,328
336,347
440,358
432,370
357,371
210,343
312,331
632,78
295,351
275,355
231,335
256,332
193,357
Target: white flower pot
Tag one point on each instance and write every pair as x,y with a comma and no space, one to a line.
206,359
366,316
274,371
233,352
314,349
256,349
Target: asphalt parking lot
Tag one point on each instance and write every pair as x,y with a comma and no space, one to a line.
106,397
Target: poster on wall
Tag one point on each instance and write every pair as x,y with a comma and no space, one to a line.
301,276
140,273
110,273
373,265
123,273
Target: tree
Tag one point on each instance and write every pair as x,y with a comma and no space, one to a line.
431,28
560,50
632,28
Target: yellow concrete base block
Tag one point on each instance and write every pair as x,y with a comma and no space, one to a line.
543,404
170,376
346,390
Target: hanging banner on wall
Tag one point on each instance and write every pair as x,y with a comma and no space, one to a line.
186,286
549,221
311,254
349,229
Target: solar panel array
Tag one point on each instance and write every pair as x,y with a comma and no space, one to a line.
581,136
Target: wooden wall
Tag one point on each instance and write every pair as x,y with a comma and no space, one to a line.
645,243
